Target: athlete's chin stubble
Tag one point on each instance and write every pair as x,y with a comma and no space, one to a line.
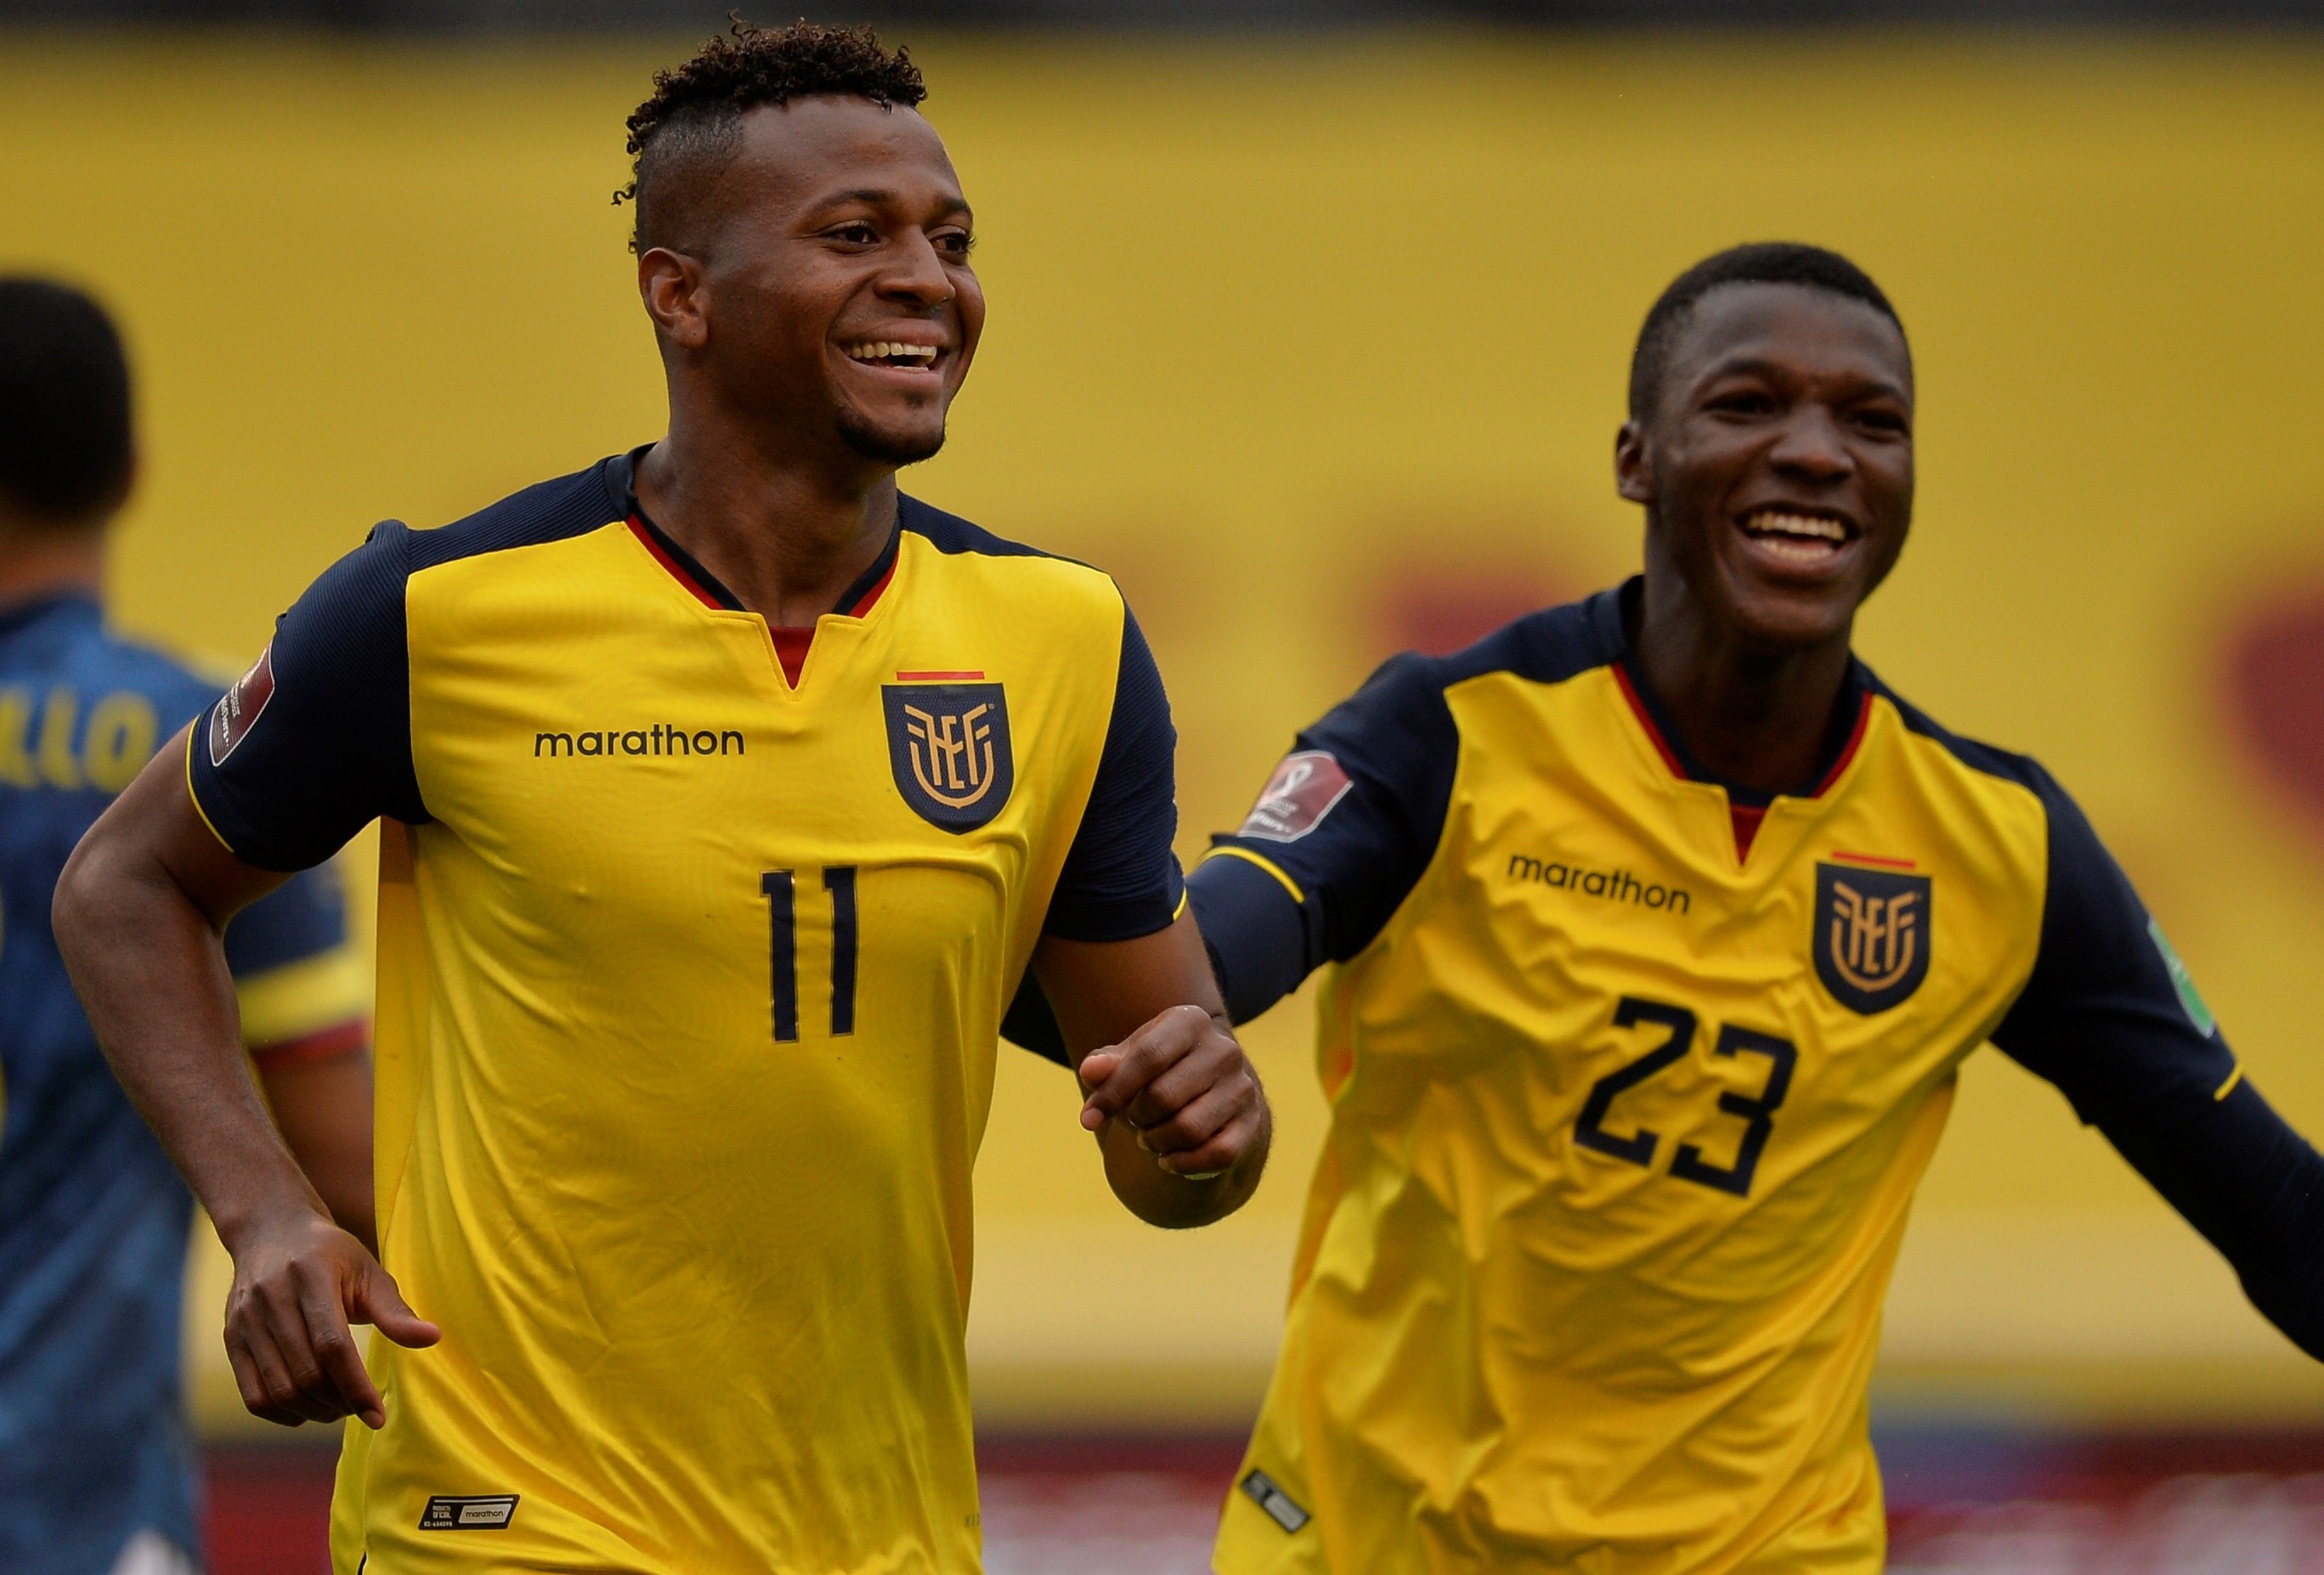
887,447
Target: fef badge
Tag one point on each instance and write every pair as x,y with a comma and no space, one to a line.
948,745
1871,941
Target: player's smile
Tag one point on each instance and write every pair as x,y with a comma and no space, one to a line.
914,358
1793,539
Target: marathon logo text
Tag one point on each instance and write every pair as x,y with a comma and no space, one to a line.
658,740
1611,885
479,1511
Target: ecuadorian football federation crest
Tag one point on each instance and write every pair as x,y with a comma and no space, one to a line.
948,744
1871,940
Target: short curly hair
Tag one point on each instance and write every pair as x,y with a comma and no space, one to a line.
1757,262
684,134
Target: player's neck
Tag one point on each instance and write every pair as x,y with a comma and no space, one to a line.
38,561
788,538
1756,718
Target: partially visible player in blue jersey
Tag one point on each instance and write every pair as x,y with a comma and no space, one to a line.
96,1465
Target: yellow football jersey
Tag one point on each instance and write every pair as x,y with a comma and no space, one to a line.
1626,1120
689,985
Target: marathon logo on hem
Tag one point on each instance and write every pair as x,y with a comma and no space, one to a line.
1260,1490
484,1511
1296,798
236,712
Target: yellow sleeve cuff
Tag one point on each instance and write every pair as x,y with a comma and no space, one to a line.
1270,865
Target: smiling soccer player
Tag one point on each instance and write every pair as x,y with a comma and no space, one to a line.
727,795
1662,927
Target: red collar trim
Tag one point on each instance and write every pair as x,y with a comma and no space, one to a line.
864,603
1848,752
677,570
1669,756
1654,733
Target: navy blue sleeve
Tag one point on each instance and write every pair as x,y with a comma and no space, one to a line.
314,742
2109,1014
2237,1173
1121,880
1336,841
305,916
2111,1017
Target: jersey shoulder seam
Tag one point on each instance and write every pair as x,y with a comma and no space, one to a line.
1550,646
550,510
954,535
1984,759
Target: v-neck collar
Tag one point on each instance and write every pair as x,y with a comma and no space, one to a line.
706,587
1849,717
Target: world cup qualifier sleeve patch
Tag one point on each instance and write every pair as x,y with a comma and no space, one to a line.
1296,798
238,710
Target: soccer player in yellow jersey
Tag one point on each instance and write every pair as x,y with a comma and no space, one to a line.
1658,928
726,796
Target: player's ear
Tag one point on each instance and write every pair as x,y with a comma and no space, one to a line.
1634,477
673,288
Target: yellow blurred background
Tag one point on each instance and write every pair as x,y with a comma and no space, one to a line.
1320,346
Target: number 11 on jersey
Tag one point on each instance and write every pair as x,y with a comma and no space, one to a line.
782,914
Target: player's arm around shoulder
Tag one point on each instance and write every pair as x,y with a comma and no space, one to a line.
1176,1106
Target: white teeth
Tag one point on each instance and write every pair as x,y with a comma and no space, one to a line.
1800,550
1769,523
884,349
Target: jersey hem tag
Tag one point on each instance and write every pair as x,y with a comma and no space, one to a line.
1260,1490
480,1512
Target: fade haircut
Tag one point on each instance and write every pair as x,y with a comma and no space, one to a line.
1760,263
685,135
65,445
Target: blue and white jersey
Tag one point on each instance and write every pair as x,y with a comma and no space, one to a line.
94,1447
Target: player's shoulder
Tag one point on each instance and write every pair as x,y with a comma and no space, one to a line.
1011,568
1968,754
2015,784
365,589
1400,726
1549,646
552,511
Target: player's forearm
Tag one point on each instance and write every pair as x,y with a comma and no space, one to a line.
150,971
2240,1174
323,1110
1181,1120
